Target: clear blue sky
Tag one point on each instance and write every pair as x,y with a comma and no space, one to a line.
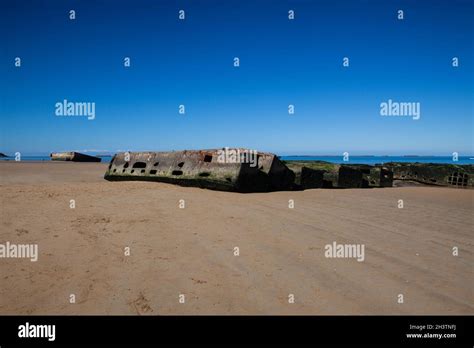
282,62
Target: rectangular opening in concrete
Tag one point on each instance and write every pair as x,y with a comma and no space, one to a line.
139,165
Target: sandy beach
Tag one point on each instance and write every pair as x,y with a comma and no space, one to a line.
190,251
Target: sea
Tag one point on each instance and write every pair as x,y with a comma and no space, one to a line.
333,159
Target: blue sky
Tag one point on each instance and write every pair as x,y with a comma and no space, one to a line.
283,62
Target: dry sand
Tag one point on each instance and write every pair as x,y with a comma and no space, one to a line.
190,251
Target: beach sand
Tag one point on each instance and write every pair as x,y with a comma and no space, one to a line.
190,251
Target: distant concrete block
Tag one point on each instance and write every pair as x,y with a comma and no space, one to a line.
73,156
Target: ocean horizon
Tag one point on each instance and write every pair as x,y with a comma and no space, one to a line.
366,159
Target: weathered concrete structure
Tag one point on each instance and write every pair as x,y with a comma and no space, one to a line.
374,176
279,175
305,177
434,174
73,156
263,172
204,168
343,176
333,175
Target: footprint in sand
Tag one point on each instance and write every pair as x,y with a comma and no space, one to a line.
198,281
141,305
20,231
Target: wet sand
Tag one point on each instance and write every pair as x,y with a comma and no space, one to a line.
190,251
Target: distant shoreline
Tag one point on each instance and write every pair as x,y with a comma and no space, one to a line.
285,155
368,159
